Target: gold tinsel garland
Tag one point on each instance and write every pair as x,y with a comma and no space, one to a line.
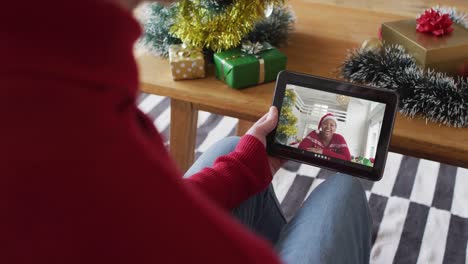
287,127
198,27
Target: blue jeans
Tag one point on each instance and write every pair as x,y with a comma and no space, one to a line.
333,225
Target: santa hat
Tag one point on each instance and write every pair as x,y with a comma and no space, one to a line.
326,117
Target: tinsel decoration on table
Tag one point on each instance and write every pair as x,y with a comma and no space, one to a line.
157,37
198,27
215,6
275,28
435,96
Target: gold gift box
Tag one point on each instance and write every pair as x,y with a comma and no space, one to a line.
445,53
186,63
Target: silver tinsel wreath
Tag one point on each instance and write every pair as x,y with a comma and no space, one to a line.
435,96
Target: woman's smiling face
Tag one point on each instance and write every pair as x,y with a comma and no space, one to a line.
328,127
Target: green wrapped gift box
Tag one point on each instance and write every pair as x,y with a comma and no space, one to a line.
250,65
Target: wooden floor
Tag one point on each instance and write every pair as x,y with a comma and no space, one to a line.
400,7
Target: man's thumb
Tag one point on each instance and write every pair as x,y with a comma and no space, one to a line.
272,119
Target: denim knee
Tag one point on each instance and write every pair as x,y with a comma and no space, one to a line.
348,183
351,193
333,226
231,140
223,146
349,186
220,148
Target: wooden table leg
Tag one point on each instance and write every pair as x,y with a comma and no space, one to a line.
183,133
242,127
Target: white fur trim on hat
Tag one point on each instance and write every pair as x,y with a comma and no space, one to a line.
330,117
325,117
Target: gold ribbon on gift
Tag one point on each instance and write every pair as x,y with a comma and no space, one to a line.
184,51
250,49
261,74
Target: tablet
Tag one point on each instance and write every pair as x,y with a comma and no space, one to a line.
332,124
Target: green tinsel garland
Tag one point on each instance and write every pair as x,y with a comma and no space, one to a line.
274,29
433,95
157,37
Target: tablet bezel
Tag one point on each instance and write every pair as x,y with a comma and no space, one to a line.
386,96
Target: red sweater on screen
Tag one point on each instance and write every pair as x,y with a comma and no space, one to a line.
337,148
84,175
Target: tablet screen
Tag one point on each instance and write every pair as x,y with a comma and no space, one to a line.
330,126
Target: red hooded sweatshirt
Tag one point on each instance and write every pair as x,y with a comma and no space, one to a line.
84,175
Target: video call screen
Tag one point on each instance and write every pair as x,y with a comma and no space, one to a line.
330,126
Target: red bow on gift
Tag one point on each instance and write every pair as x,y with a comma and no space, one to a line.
434,22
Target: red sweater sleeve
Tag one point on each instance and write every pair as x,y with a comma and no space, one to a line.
84,175
235,177
111,197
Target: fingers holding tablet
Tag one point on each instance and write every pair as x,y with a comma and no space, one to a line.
261,129
264,125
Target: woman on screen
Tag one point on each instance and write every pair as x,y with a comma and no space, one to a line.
325,141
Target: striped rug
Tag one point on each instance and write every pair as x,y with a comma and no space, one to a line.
419,208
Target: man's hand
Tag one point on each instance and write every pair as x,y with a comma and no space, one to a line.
264,125
260,130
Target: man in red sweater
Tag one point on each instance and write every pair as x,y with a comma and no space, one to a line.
84,175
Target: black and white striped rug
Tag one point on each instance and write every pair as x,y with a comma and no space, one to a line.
419,208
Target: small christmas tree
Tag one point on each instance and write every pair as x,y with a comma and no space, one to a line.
217,25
